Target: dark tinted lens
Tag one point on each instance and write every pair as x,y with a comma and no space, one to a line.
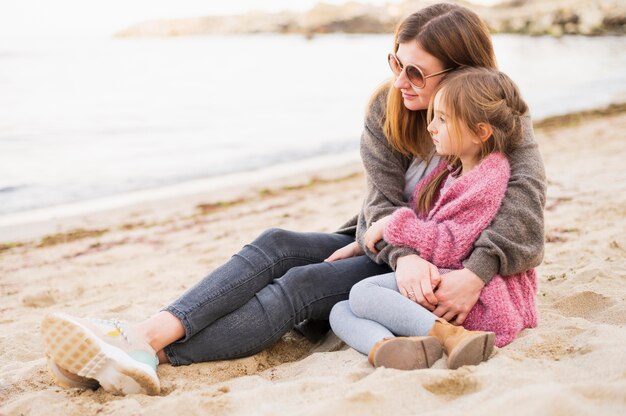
394,64
415,76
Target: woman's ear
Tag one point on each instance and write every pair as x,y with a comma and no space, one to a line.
483,132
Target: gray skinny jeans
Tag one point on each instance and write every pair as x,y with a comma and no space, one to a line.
375,310
274,283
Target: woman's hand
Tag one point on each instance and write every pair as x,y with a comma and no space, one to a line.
375,233
416,279
457,293
351,250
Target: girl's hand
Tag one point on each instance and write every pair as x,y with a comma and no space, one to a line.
351,250
458,292
375,233
416,279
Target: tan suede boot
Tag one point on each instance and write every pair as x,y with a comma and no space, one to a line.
405,353
463,347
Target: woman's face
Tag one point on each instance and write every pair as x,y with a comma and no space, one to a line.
411,53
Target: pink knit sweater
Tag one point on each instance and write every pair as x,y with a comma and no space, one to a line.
446,236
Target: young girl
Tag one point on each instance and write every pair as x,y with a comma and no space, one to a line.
475,120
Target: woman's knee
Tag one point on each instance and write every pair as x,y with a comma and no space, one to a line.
272,236
275,242
283,241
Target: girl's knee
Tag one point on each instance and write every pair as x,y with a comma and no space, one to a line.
338,313
360,297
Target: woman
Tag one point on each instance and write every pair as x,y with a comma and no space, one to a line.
281,279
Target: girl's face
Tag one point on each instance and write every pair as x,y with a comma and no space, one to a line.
411,53
467,146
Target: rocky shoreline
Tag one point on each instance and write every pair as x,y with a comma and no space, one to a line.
528,17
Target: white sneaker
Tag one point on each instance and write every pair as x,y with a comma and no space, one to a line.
108,351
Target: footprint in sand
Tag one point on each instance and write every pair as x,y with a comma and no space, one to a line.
457,384
558,345
587,304
120,308
41,299
48,297
362,397
358,375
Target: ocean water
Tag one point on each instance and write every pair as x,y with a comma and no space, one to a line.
82,119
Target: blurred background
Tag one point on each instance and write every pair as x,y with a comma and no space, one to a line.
102,99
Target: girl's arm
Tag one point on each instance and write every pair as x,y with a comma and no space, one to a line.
442,243
514,241
446,236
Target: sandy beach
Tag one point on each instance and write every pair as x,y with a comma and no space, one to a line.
132,261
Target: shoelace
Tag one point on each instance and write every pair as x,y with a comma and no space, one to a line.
115,323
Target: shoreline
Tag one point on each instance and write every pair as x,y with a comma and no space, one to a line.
17,227
82,218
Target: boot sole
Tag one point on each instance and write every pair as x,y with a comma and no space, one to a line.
76,349
408,353
472,351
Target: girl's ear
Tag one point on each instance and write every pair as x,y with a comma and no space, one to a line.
483,132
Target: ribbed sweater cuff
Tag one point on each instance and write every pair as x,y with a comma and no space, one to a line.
396,253
483,265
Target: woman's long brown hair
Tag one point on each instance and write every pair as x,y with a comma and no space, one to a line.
457,37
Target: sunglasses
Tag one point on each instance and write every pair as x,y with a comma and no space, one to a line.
414,74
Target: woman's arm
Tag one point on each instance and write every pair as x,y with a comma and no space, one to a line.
385,171
514,241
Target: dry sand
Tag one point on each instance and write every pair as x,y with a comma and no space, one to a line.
573,363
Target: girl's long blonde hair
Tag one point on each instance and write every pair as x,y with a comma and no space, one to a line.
457,37
472,96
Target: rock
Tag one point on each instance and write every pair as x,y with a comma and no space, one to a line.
534,17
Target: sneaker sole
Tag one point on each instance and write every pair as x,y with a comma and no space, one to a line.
61,380
473,351
408,353
76,349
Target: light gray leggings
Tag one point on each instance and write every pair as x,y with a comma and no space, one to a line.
376,310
